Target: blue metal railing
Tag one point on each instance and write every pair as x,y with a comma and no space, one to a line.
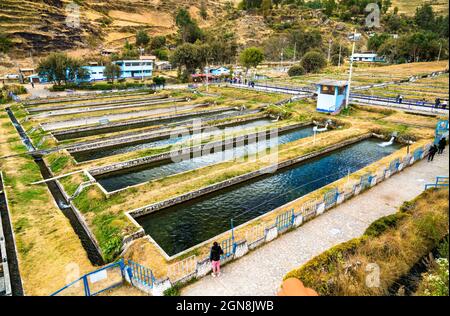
365,181
140,273
441,182
285,220
330,197
87,287
228,247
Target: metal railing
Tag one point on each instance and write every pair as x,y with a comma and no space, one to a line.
441,182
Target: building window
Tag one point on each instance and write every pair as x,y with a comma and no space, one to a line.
327,90
341,90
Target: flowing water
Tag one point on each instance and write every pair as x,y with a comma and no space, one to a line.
182,226
131,126
120,180
125,148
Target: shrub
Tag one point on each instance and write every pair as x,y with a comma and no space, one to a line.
173,291
381,225
313,61
296,70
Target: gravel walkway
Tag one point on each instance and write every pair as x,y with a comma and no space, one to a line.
261,271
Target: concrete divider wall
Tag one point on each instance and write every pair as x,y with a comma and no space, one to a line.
146,137
81,105
87,96
218,186
187,152
137,121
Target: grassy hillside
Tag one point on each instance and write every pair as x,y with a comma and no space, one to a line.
409,6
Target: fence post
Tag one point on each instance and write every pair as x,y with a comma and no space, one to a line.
86,286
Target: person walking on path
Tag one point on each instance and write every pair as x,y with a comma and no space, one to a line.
400,99
216,252
432,152
437,103
441,146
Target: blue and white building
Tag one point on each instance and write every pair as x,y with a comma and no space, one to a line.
331,95
367,57
141,68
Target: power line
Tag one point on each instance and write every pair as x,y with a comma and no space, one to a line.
295,188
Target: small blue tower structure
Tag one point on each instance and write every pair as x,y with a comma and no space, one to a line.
331,95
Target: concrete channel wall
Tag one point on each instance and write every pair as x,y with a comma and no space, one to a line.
93,104
147,137
137,122
85,96
5,282
109,107
187,152
221,185
8,249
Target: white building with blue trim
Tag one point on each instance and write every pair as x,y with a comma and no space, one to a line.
367,57
331,95
141,68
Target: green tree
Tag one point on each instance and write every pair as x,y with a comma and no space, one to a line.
296,70
158,42
376,41
251,57
142,38
159,81
161,54
329,7
186,56
189,31
313,61
425,17
58,68
5,43
112,71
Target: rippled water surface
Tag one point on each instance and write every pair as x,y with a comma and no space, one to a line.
182,226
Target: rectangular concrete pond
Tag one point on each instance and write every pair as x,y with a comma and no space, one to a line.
185,225
125,148
161,169
135,124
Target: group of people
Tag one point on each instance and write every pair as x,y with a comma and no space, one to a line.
437,149
437,103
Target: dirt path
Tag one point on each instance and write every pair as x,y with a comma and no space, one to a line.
261,271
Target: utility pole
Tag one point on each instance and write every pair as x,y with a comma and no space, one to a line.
340,53
329,50
295,51
347,99
440,50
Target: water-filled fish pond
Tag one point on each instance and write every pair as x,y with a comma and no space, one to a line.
185,225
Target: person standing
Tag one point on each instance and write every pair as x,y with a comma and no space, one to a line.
432,152
441,146
216,252
400,99
437,103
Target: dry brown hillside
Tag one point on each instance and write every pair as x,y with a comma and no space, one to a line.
41,25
